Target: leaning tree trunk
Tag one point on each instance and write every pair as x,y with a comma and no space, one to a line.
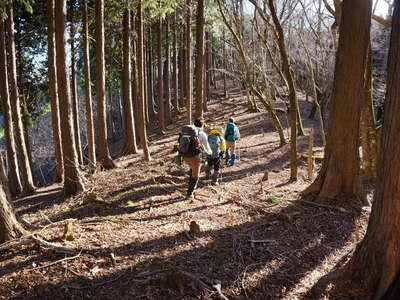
189,75
199,59
140,65
289,76
72,179
26,172
127,109
376,261
54,101
14,180
10,228
88,89
340,172
104,155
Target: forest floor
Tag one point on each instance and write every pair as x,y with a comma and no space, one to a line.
257,240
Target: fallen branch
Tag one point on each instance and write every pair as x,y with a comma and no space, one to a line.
56,262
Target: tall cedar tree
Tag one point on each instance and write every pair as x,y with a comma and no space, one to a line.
127,109
376,261
88,88
167,74
10,228
340,172
14,181
75,105
189,74
72,179
160,93
26,172
199,71
104,155
140,67
54,101
175,79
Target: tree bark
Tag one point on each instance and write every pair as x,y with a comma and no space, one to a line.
289,76
104,155
72,179
55,110
199,59
175,79
368,132
340,172
189,75
167,75
10,228
75,104
14,181
129,125
88,89
150,76
376,261
160,93
26,172
143,133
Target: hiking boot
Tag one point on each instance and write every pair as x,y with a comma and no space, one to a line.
233,159
192,187
215,178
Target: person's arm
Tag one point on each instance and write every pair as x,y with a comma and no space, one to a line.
237,132
204,143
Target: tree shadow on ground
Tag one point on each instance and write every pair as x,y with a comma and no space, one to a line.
43,198
264,258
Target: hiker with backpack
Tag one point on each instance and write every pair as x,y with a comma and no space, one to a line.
192,142
232,134
218,147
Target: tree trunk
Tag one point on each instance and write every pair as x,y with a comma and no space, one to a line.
26,172
189,75
88,89
160,93
340,172
9,226
72,179
199,59
104,155
14,180
182,70
150,76
175,79
134,82
75,104
127,109
368,132
289,75
207,73
143,133
225,64
55,110
167,75
376,261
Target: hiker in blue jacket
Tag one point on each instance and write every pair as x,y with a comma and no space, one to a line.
232,134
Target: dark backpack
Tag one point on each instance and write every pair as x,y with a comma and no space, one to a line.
230,134
189,141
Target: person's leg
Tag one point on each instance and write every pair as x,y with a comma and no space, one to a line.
208,168
233,156
190,162
194,163
217,162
